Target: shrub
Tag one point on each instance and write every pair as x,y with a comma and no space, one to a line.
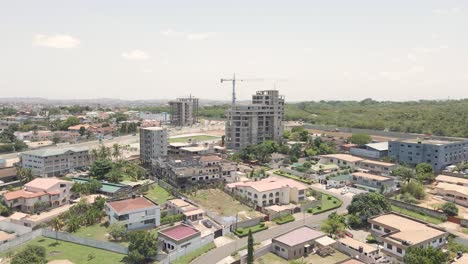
450,209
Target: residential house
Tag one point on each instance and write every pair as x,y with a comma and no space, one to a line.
398,233
270,191
355,247
179,237
342,160
339,181
190,212
372,182
134,213
296,243
51,191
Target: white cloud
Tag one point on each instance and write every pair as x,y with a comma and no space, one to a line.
198,36
394,76
447,11
416,69
136,55
147,70
411,57
58,41
168,32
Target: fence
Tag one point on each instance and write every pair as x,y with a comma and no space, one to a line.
182,252
11,227
247,223
109,246
419,209
20,240
257,253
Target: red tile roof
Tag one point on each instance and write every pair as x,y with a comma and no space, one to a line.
179,232
22,194
131,204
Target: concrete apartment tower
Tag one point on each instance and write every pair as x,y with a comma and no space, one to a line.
260,121
184,111
153,143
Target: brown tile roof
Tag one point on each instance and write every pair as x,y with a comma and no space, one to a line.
44,183
179,232
131,204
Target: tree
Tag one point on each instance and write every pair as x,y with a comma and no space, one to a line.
56,138
367,205
250,248
116,151
424,172
430,255
415,189
354,221
74,223
142,247
117,231
25,175
40,206
307,165
304,136
31,254
450,209
404,173
360,139
334,225
82,131
57,225
100,168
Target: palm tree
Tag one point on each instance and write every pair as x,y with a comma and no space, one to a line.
25,175
57,224
116,151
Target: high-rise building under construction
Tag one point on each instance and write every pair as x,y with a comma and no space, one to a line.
184,111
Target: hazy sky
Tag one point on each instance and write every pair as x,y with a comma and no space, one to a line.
310,50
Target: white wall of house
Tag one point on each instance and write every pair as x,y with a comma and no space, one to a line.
137,219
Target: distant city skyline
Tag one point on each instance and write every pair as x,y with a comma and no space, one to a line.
309,50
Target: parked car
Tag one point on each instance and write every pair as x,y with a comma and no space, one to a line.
207,223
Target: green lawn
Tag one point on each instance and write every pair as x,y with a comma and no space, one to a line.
328,203
96,231
417,215
196,138
77,254
242,232
159,195
464,230
194,254
294,177
270,258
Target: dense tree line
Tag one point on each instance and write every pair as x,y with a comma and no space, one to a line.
441,118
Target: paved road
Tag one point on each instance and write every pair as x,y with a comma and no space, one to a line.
128,139
218,254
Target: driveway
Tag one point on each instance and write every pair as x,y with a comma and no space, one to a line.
217,254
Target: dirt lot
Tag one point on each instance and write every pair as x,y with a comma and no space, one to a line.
222,204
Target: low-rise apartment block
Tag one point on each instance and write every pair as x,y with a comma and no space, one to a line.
452,180
379,167
341,160
438,153
134,213
453,193
269,191
372,182
185,171
398,233
55,162
51,192
371,150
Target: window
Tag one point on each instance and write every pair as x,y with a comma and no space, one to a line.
389,246
399,250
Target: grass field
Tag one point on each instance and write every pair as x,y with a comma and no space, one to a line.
294,177
222,204
77,254
96,231
270,258
158,195
196,138
194,254
328,203
417,215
